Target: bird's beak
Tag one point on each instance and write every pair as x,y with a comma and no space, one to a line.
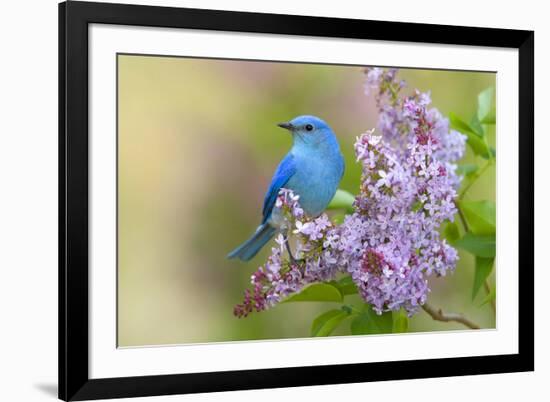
287,126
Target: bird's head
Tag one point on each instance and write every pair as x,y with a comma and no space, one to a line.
310,131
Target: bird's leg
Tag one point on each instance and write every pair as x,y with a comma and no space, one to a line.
292,259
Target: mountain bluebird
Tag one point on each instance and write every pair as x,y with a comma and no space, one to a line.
312,169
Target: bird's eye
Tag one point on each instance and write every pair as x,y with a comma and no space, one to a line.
309,127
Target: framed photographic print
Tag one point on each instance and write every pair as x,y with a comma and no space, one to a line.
258,200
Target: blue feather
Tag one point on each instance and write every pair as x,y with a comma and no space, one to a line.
250,248
284,172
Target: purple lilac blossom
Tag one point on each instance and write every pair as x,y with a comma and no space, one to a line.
391,244
316,243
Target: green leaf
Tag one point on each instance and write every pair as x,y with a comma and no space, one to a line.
458,124
400,322
490,118
345,285
360,325
338,218
475,141
490,297
480,216
368,322
327,322
486,112
316,293
476,126
451,233
342,200
478,145
481,246
484,266
467,169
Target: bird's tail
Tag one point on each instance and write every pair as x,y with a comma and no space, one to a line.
250,248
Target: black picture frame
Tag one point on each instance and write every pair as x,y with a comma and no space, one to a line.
74,380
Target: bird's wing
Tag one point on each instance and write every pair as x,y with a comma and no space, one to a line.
284,172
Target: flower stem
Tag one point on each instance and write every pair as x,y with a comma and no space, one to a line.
462,218
439,315
474,178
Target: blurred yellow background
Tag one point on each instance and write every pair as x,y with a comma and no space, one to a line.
198,144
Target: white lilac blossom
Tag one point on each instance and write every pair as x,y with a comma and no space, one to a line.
391,244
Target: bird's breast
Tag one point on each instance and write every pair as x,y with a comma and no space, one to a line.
315,181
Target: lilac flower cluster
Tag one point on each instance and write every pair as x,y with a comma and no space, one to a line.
279,277
391,243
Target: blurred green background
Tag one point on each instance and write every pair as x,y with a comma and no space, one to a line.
197,144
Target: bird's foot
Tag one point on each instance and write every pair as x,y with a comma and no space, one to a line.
293,261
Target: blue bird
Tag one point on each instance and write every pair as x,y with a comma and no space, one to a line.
312,169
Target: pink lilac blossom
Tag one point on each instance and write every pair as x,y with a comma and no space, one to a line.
391,244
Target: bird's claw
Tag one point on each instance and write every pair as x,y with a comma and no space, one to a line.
293,261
